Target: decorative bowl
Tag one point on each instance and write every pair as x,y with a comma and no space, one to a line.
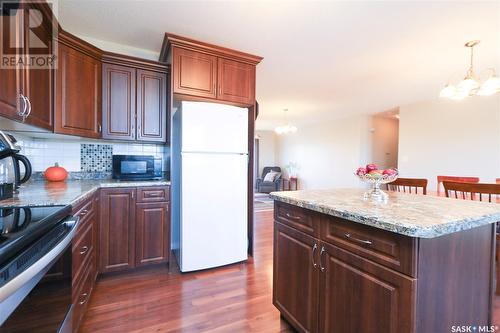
375,193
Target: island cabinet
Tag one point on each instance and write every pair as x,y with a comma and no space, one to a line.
27,90
334,275
84,256
208,71
134,99
78,88
134,227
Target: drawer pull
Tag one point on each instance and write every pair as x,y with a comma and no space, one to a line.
85,297
321,259
362,241
84,212
292,217
154,194
84,249
315,247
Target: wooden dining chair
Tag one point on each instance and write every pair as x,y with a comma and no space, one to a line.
441,179
477,191
408,185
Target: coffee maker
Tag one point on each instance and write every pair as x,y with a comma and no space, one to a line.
10,171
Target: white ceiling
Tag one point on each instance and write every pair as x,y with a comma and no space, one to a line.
322,60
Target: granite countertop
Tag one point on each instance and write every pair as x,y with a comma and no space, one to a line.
407,214
70,192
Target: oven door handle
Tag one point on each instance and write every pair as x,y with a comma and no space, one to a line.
22,284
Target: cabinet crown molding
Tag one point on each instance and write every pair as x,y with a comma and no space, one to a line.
175,40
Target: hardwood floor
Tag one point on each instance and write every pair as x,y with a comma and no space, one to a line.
235,298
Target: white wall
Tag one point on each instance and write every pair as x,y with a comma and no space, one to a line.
450,138
327,153
384,138
121,48
267,149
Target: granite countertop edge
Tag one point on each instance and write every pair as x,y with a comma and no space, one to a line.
407,230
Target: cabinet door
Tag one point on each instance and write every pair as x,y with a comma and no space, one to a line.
195,73
38,84
357,295
296,277
78,94
151,106
152,233
236,82
117,230
11,78
118,102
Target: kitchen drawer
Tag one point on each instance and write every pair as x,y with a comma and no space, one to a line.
81,294
153,194
299,218
85,210
386,248
83,249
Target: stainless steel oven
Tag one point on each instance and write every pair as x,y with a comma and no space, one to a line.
35,269
136,167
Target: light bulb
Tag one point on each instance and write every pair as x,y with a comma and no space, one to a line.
448,92
490,86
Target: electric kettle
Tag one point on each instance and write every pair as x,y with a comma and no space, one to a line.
10,160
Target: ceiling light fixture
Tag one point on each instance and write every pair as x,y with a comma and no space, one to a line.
287,128
471,85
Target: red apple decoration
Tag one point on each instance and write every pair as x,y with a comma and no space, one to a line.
389,172
371,167
361,171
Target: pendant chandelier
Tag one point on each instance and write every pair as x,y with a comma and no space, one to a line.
471,84
287,128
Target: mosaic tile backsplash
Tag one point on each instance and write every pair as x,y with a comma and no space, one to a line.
96,157
77,155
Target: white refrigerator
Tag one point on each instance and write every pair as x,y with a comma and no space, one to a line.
209,185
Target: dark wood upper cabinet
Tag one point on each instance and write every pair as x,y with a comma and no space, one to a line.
152,233
134,99
151,106
194,73
384,299
78,90
236,81
119,107
117,229
209,71
27,89
296,277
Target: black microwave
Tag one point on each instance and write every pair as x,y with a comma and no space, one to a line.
136,167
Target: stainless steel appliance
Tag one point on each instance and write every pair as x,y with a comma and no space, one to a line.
136,167
35,269
10,160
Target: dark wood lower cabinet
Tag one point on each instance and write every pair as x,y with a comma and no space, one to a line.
295,284
357,295
336,276
152,233
117,230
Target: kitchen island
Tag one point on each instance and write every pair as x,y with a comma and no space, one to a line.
414,264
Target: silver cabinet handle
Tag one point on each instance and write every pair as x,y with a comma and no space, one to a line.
84,250
154,194
322,268
366,242
85,298
84,212
315,247
22,113
99,128
29,108
292,217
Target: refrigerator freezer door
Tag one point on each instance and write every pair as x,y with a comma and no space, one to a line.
214,210
210,127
